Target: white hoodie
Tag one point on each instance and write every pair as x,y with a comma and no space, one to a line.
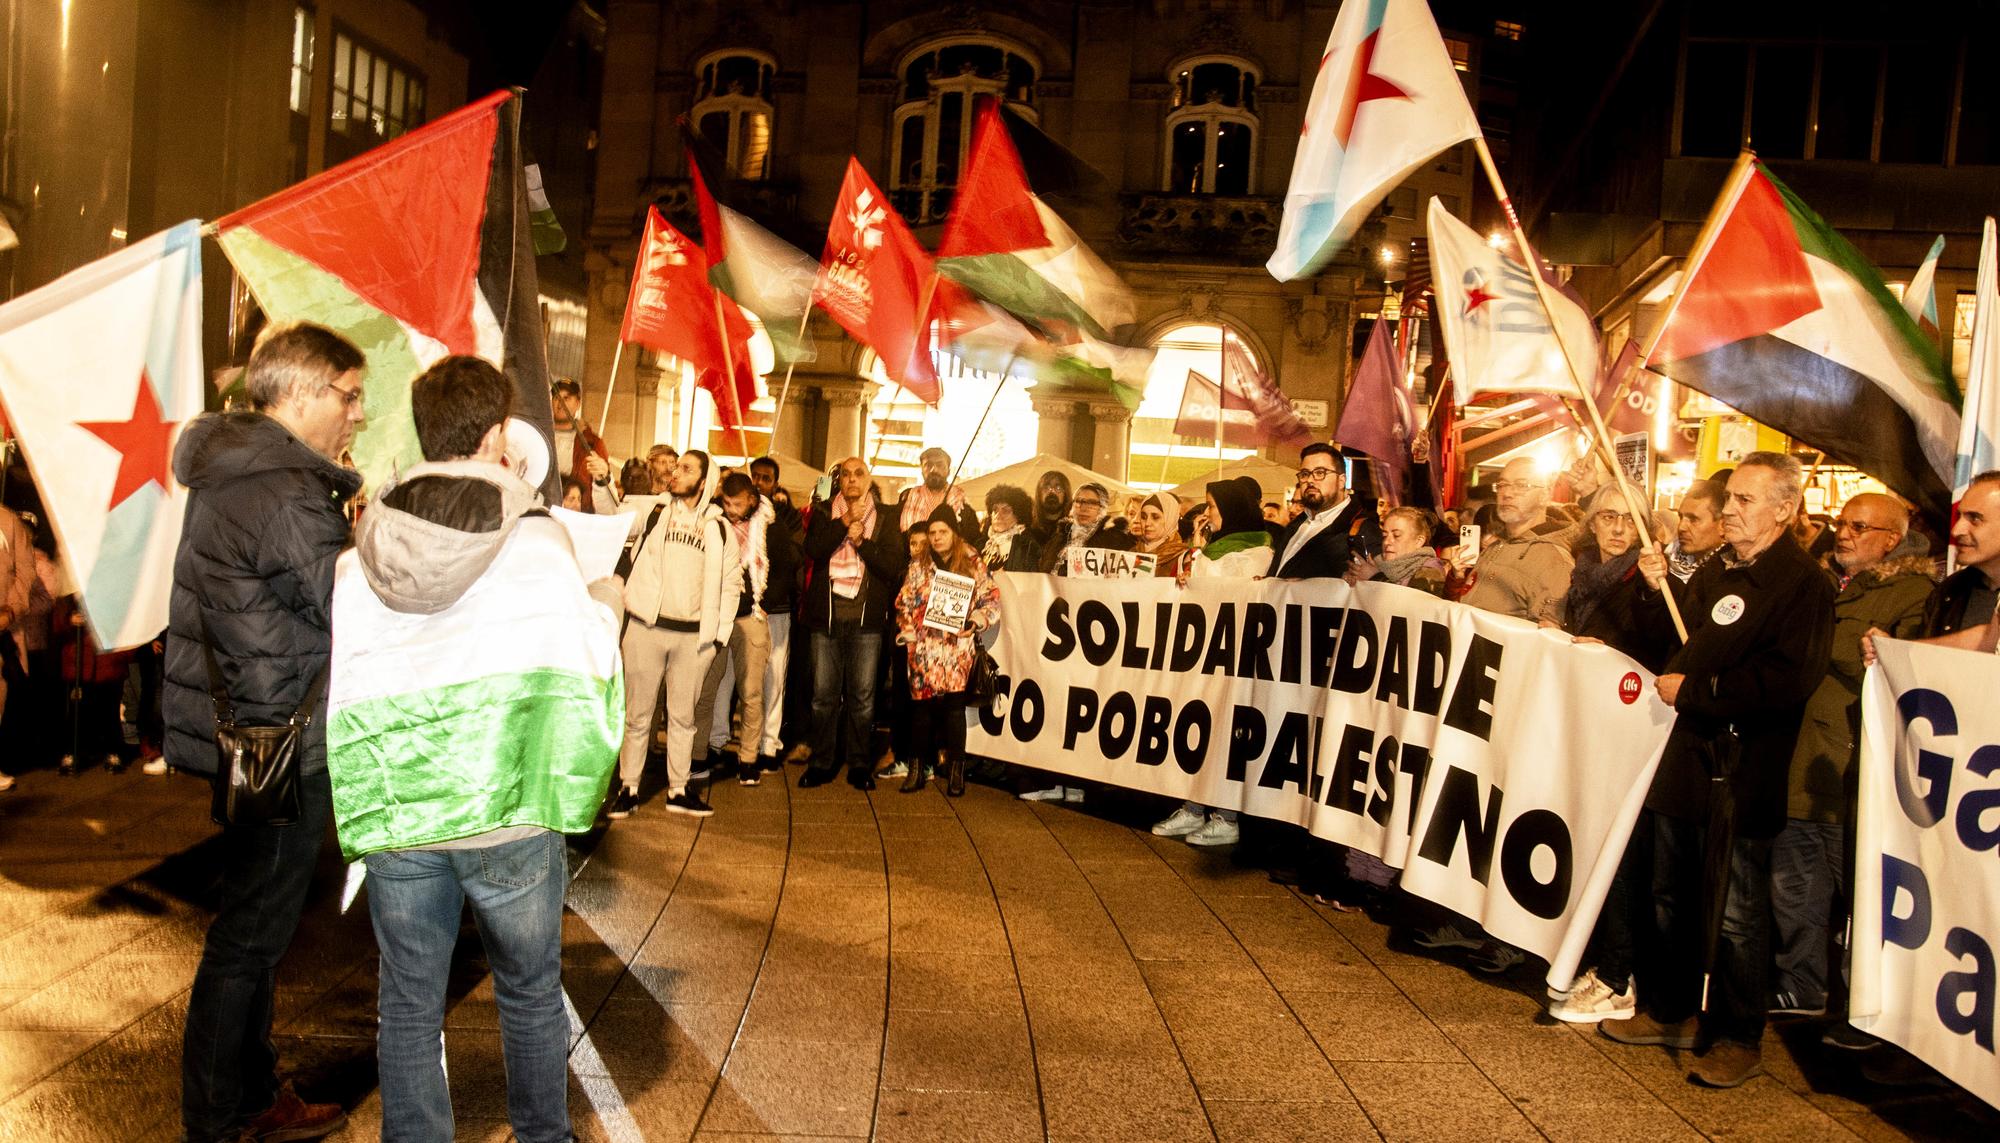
685,569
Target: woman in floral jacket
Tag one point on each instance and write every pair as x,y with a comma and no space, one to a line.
941,662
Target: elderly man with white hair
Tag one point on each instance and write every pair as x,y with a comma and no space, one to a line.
1760,625
1526,573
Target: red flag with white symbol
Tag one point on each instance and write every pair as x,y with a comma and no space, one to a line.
673,309
874,277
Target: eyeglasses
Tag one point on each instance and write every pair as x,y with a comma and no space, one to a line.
349,397
1858,528
1505,486
1305,474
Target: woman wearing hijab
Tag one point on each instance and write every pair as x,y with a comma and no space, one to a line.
1239,545
940,662
1157,531
1240,548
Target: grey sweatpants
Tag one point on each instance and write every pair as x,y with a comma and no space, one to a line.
681,658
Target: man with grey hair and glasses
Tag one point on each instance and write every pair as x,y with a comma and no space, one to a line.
1760,626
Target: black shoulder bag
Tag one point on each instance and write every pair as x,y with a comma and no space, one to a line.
256,779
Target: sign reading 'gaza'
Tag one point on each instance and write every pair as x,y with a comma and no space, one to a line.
1498,765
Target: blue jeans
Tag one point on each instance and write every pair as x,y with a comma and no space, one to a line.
844,661
415,898
228,1066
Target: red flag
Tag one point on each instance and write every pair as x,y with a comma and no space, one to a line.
673,309
993,210
1376,415
872,280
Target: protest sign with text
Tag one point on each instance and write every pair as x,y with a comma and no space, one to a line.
1103,563
949,603
1926,887
1499,766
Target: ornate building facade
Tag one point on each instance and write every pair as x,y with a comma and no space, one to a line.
1190,109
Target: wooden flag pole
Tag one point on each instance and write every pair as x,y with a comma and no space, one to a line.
882,437
1221,391
1167,459
778,417
1641,512
611,383
729,380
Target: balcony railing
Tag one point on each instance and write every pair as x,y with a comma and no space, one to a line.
1241,228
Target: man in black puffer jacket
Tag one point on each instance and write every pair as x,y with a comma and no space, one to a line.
265,522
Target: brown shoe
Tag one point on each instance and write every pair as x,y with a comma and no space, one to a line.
291,1119
1727,1064
1644,1030
954,786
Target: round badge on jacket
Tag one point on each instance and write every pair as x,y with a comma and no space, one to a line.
1727,610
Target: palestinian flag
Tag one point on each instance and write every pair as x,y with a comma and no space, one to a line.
415,250
1780,318
989,339
762,272
1003,244
879,283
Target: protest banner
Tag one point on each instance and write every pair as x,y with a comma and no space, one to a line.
1499,766
1102,563
1926,887
949,603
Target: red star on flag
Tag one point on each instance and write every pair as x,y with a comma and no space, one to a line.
1363,86
1476,297
141,443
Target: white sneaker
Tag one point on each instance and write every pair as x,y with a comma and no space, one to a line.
6,783
1446,937
156,767
896,769
1180,823
1052,794
1073,795
1215,831
1591,1000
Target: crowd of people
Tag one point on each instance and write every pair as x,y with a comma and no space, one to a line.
844,634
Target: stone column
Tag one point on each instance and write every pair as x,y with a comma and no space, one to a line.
1111,452
845,402
1057,416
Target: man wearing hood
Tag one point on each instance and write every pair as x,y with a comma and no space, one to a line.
253,578
679,603
474,720
739,669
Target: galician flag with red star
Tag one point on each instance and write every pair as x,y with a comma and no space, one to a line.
1386,101
98,370
1496,333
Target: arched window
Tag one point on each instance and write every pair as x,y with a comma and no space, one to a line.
905,426
1212,127
732,108
933,124
1160,458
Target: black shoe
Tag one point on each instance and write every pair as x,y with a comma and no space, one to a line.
724,770
622,805
1848,1038
816,776
859,778
769,763
748,775
915,779
699,770
685,802
954,781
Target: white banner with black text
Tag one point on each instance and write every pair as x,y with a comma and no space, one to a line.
1499,766
1926,882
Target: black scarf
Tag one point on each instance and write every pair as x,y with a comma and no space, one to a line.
1593,579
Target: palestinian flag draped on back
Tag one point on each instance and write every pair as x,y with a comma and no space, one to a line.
415,250
1780,318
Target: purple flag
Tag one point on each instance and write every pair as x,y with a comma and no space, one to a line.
1376,416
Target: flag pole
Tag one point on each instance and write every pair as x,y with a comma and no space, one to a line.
1006,375
729,383
1221,390
1641,513
604,414
882,437
778,417
1168,459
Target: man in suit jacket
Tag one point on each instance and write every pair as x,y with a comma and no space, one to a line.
1334,526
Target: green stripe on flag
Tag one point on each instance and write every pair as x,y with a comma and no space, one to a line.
1818,240
1014,286
459,760
292,289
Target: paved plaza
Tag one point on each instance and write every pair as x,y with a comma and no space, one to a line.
828,964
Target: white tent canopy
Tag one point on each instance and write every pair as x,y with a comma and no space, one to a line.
1275,479
1025,473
